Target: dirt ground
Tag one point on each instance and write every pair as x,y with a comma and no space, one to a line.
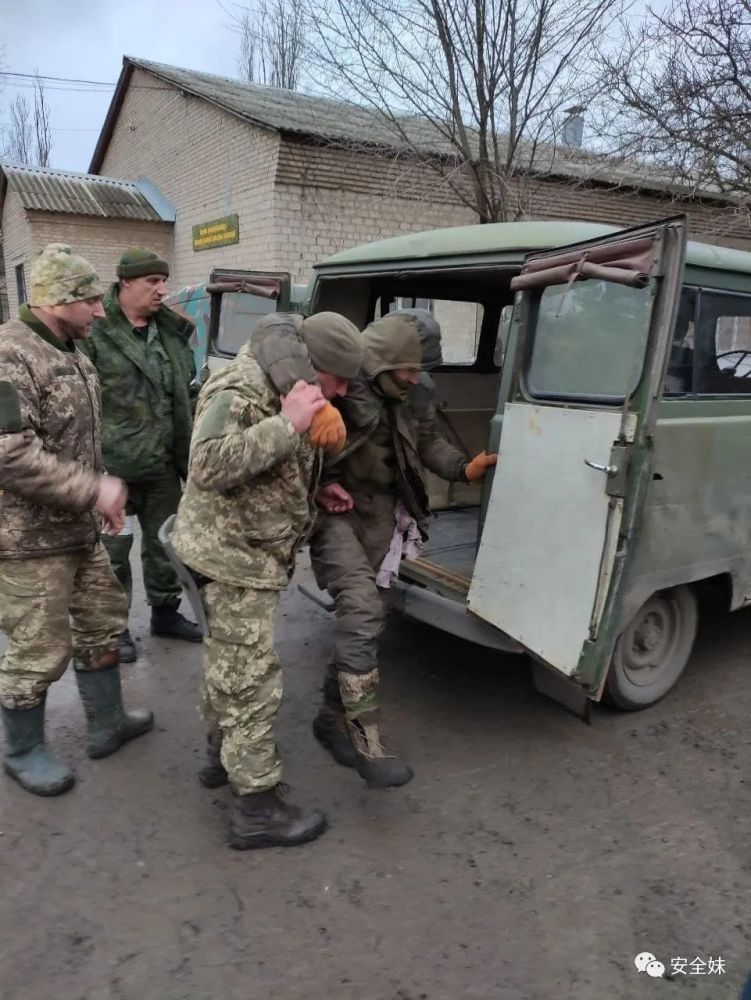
531,858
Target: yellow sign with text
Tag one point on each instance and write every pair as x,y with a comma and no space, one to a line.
217,233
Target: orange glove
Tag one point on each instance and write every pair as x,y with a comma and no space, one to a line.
327,429
476,468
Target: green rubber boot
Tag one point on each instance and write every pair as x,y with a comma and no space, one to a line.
27,759
109,724
330,726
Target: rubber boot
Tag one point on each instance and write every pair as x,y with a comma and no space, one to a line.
168,623
373,764
27,759
126,647
109,724
330,725
213,775
263,819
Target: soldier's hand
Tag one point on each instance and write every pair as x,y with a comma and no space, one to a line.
334,499
327,429
110,503
301,404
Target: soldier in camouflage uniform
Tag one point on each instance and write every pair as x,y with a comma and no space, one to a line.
374,491
58,594
142,354
247,509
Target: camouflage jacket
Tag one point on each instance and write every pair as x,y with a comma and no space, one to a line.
247,506
133,389
50,457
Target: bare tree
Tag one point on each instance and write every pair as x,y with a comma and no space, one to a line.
19,140
42,129
272,42
483,83
678,93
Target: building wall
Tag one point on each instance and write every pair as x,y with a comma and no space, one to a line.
17,245
101,241
328,199
207,163
298,202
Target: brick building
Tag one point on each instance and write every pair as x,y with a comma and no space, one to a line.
277,180
99,216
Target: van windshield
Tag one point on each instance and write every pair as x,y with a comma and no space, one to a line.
589,340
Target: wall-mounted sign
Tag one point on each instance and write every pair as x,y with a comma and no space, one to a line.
217,233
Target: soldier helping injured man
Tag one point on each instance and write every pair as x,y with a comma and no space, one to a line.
58,594
248,507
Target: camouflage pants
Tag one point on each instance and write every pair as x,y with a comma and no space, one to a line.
346,552
152,502
243,682
50,609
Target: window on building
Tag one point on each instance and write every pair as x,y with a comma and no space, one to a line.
20,283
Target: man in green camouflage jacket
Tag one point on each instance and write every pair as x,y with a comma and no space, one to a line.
58,594
142,354
246,511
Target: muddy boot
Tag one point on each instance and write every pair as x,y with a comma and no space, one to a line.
330,726
27,759
213,775
109,724
263,819
126,647
168,623
373,764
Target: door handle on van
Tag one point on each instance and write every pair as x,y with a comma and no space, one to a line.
609,470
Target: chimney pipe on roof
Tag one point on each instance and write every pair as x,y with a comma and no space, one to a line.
573,126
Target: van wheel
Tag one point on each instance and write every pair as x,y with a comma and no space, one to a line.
653,650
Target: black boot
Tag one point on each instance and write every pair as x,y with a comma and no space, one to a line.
330,726
126,647
168,623
373,764
263,819
27,759
109,724
213,775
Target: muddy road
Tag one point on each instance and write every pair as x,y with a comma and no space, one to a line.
532,857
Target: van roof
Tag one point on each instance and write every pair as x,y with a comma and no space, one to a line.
507,237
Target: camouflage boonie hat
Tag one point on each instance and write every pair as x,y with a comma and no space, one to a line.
59,276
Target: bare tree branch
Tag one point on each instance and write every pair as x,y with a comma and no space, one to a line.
42,130
272,42
679,93
19,140
475,89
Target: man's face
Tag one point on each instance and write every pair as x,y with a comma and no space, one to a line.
75,318
143,295
331,385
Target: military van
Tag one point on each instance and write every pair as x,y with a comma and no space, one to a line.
611,370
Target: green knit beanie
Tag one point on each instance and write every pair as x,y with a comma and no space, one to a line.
334,343
137,262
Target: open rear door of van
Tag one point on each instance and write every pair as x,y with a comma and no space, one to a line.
595,323
238,300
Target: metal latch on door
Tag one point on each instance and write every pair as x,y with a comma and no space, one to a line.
615,470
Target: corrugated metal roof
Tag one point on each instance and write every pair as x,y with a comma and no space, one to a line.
47,190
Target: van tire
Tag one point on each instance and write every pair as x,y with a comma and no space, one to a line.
663,627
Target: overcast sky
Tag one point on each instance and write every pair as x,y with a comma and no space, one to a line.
87,39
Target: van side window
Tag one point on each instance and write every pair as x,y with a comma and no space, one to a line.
724,344
238,316
679,378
